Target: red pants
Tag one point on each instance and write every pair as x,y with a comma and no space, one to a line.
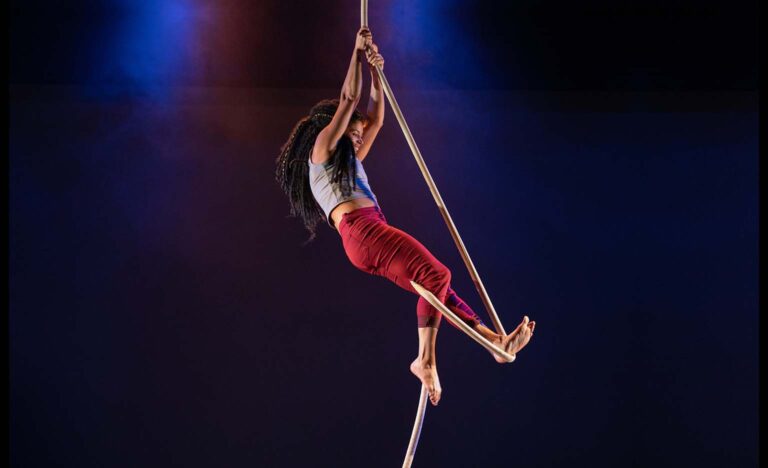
375,247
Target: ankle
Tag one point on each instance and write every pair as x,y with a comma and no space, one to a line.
487,333
426,362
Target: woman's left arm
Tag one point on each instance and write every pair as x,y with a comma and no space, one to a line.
376,105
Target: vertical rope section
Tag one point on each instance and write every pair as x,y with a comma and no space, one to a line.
416,432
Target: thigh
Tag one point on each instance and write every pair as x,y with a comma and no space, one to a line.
400,257
375,247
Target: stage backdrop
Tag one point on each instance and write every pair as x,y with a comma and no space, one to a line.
600,163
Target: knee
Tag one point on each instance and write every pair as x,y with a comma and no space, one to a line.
436,277
442,274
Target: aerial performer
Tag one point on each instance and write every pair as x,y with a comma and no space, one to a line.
320,169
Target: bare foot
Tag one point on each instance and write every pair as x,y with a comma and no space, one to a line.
427,373
516,340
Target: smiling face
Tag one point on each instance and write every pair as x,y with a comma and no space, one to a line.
355,133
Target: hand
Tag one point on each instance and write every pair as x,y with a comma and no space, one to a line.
374,57
364,38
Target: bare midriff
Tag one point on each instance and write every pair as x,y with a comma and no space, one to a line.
348,206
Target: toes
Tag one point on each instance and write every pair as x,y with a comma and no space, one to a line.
522,325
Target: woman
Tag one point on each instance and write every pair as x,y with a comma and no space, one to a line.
320,169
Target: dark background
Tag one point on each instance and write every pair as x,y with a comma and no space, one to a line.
599,159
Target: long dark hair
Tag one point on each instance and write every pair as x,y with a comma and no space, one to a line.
292,172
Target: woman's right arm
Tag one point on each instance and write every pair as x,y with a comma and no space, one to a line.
329,137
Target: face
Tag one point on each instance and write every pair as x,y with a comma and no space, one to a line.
355,133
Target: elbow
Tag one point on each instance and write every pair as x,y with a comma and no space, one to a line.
349,96
375,120
353,98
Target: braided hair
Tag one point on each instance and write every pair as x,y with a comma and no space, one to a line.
292,172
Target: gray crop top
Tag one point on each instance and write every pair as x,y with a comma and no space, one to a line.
329,195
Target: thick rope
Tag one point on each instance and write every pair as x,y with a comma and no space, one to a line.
431,298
